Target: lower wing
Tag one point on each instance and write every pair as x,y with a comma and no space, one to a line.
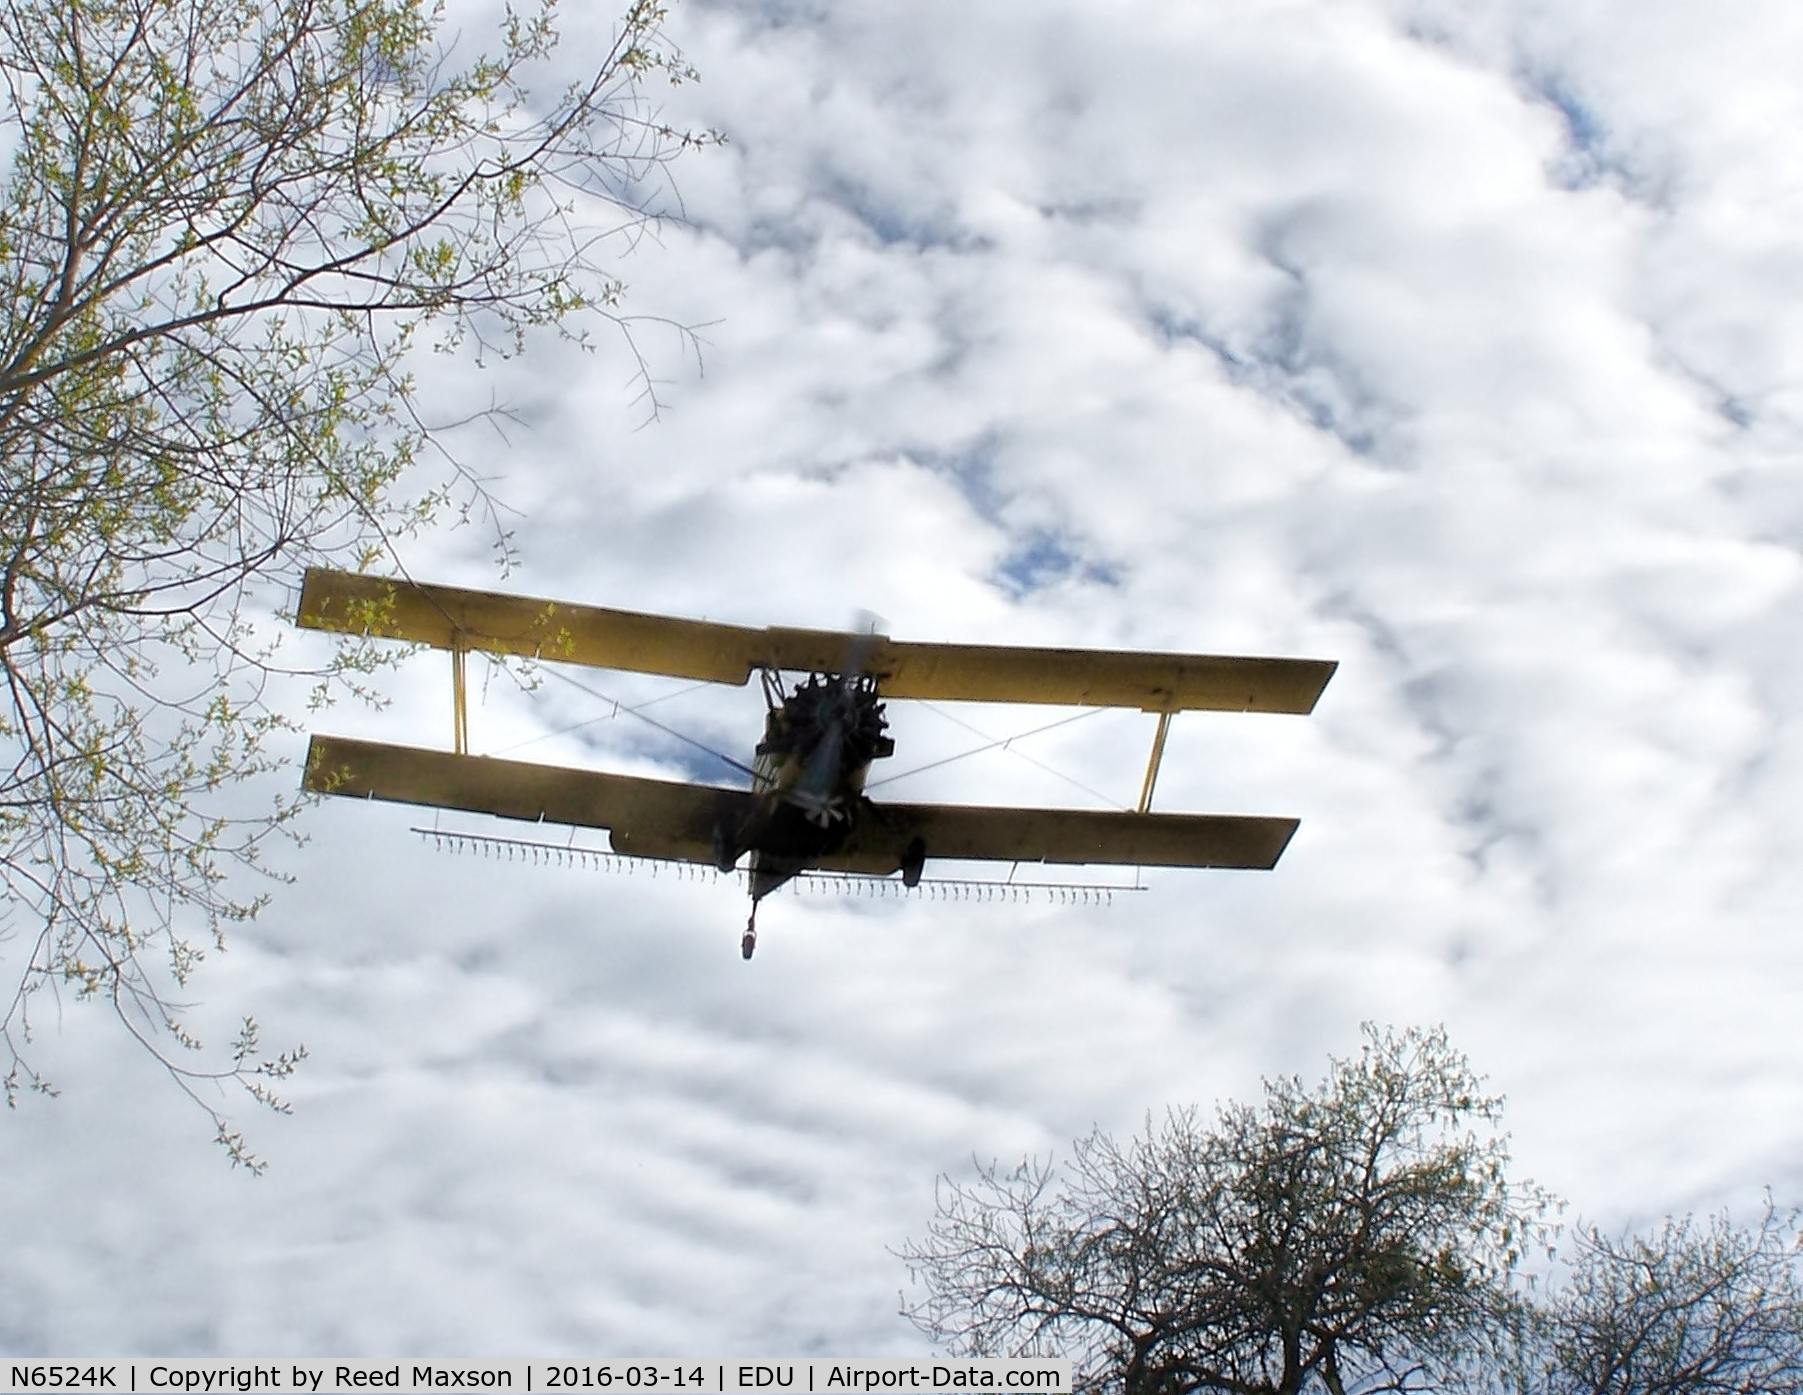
969,832
668,819
647,818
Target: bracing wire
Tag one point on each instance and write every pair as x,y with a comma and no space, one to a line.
1009,746
652,721
1006,741
633,711
990,744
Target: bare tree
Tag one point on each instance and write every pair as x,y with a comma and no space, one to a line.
228,226
1708,1309
1359,1236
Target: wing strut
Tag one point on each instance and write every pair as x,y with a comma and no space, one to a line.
460,709
1145,790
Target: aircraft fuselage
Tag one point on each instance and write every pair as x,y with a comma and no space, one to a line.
809,774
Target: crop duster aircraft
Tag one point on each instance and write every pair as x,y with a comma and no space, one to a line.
806,808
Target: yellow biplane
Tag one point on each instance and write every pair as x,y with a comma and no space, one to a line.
805,808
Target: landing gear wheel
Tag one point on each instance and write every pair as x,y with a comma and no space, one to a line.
726,856
913,861
748,942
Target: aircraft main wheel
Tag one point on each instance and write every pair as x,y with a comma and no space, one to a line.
913,862
726,856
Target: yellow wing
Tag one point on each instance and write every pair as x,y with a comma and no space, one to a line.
662,818
448,617
961,831
651,818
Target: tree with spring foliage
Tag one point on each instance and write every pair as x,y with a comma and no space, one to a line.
1359,1236
229,226
1706,1308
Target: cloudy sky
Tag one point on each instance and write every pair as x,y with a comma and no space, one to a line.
1460,341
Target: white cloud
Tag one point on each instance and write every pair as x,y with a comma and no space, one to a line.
1461,348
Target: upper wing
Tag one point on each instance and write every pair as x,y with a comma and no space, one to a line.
448,616
661,818
1099,678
